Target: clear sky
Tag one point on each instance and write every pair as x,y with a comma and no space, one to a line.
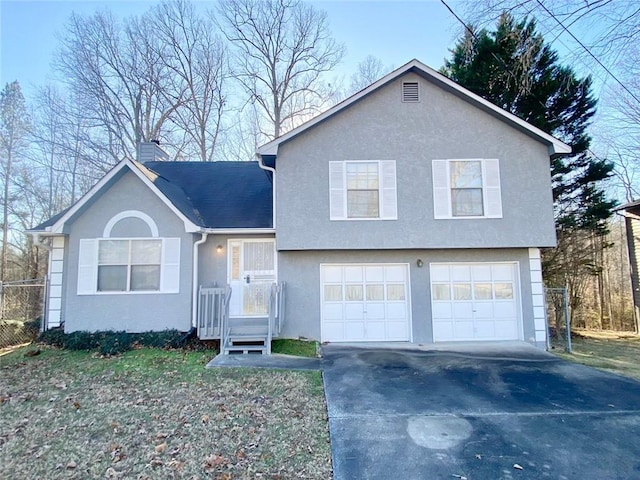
393,31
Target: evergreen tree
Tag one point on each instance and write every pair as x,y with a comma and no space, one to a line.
514,69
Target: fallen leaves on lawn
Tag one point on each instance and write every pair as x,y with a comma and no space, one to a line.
90,417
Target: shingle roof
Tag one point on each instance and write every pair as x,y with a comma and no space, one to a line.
211,195
217,194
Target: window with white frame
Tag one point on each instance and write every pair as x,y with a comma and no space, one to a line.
363,190
466,188
129,265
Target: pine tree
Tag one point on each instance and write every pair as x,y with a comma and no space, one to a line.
513,68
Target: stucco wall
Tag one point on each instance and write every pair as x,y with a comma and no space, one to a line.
301,272
441,126
133,312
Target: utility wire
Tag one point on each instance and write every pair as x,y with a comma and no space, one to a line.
588,51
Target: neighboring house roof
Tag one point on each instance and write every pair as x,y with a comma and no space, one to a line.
205,195
556,147
634,205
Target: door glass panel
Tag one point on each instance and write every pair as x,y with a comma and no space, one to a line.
441,291
375,292
395,292
462,291
504,291
333,293
256,298
482,291
235,262
353,293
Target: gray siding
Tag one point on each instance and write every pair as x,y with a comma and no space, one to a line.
131,312
441,126
301,272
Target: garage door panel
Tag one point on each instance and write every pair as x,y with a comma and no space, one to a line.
333,311
365,302
442,310
353,311
462,310
397,311
505,310
375,311
482,304
463,330
484,310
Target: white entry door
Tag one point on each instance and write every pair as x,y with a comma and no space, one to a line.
251,272
368,302
475,301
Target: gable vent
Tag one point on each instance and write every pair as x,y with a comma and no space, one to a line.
410,92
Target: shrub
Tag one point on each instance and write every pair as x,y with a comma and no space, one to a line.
110,342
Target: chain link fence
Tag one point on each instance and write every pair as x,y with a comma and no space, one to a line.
558,319
22,306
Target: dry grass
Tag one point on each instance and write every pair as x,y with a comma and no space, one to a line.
618,352
153,414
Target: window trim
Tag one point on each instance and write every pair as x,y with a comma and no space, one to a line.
87,271
129,265
386,212
439,189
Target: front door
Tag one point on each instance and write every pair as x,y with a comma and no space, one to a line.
251,272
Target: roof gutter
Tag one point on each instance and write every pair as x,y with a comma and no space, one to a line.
273,196
194,287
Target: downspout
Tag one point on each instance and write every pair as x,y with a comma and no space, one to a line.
273,197
194,287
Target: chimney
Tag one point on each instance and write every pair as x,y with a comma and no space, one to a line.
151,152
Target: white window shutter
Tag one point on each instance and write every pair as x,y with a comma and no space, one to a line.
88,266
170,269
441,191
337,191
388,190
492,195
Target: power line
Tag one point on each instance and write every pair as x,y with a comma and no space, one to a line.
588,51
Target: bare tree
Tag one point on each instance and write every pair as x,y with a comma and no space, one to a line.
14,131
283,48
368,71
197,60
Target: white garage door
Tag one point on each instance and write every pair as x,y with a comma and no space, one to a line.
367,302
475,301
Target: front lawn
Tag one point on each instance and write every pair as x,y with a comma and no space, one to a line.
153,414
613,351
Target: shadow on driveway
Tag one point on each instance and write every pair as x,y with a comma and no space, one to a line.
477,415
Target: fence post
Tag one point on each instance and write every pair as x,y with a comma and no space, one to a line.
567,318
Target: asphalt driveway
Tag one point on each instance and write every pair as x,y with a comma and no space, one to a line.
484,414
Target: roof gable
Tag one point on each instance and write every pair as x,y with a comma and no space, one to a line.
554,145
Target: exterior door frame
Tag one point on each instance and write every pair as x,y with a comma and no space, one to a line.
231,281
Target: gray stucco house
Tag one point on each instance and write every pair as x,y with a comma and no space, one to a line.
413,211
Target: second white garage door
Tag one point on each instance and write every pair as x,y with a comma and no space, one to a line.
477,301
368,302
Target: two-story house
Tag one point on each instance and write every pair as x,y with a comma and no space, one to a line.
413,211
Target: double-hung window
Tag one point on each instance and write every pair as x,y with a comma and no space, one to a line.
128,265
363,190
466,188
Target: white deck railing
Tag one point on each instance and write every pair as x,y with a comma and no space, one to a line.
213,311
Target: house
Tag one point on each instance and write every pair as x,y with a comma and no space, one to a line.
413,211
631,214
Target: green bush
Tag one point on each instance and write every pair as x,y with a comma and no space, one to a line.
110,342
